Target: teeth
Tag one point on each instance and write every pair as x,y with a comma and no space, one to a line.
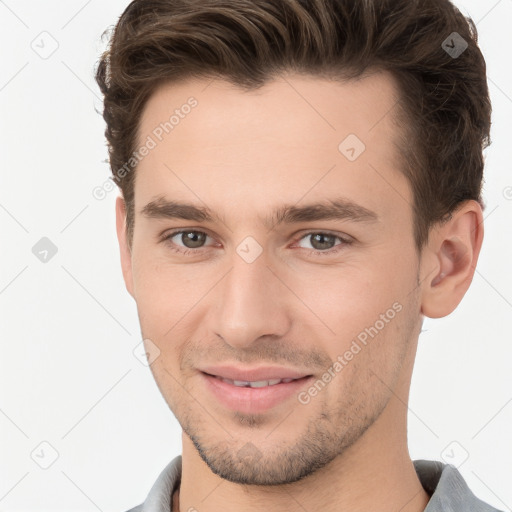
237,382
255,384
258,384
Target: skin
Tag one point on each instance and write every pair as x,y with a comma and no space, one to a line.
242,154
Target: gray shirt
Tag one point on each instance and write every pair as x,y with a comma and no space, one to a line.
443,482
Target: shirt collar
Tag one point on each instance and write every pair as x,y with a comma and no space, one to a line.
447,488
443,482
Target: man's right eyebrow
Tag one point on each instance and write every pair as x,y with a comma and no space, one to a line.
165,209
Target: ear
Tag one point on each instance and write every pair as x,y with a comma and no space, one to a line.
124,248
449,260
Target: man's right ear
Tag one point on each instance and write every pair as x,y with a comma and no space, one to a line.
124,248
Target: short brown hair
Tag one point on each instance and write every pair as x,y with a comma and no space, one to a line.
444,112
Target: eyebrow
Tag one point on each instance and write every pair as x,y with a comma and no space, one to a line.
332,209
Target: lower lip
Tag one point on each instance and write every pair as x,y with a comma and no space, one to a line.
252,400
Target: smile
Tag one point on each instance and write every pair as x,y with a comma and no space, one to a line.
254,384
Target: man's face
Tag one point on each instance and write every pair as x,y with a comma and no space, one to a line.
246,291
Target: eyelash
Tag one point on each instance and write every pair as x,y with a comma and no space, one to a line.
186,251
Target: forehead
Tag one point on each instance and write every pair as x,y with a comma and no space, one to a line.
213,139
327,106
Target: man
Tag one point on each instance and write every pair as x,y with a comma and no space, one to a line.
300,188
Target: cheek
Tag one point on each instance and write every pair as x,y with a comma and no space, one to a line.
162,296
349,296
365,313
162,306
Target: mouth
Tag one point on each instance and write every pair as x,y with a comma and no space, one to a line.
253,396
256,383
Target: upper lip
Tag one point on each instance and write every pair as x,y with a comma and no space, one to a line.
254,374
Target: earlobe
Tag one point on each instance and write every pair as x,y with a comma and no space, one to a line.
124,248
451,257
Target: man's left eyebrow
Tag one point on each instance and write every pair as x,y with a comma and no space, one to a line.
334,209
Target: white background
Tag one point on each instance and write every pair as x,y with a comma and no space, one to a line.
68,327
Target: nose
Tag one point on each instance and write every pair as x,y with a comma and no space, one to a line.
250,303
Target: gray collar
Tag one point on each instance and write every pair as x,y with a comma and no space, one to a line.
447,488
443,482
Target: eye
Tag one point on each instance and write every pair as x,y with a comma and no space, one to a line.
185,241
323,243
192,241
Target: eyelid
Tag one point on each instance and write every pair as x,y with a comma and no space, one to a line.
342,236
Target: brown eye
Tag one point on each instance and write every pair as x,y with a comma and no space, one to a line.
193,239
322,241
319,242
183,240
